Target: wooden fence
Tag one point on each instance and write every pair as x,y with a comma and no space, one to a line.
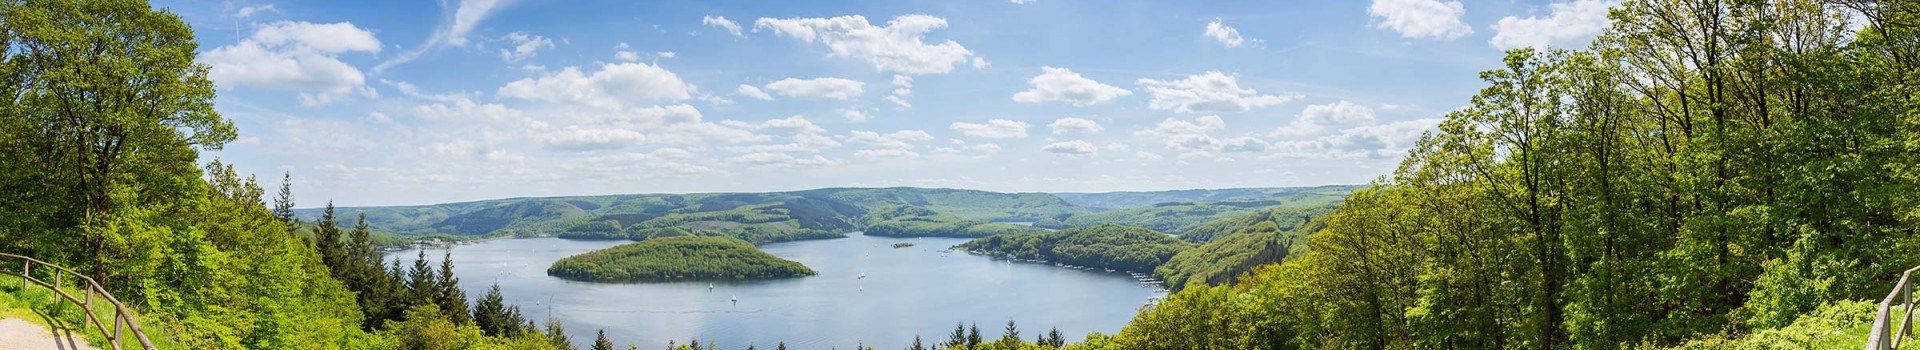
61,277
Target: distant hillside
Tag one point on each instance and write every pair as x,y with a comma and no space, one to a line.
1180,217
1123,200
1243,242
755,217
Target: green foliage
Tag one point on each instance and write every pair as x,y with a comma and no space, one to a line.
1707,175
1124,200
1285,218
1103,246
676,258
911,221
641,234
599,229
1202,221
1221,261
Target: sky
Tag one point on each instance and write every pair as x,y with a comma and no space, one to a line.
419,102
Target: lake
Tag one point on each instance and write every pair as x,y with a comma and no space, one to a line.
917,290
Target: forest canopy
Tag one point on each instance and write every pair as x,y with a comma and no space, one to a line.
677,258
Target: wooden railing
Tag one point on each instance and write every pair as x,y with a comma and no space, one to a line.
61,276
1885,335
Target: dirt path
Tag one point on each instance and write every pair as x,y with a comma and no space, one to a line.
17,334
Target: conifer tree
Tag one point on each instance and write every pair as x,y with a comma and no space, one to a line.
451,298
557,335
283,204
973,335
600,341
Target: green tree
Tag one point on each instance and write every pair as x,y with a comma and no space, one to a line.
600,341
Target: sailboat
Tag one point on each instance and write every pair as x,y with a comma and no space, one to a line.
736,298
709,287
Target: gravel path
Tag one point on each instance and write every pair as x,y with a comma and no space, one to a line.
17,334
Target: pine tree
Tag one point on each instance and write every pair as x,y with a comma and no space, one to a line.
973,335
600,342
326,240
451,298
283,204
1013,333
957,338
490,313
557,334
780,346
916,344
1055,339
421,287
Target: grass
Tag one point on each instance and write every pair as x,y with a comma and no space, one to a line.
39,305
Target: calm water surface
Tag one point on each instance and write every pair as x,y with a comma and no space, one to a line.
908,291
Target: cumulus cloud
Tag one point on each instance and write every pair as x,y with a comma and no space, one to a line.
996,129
1317,118
1572,23
834,88
1228,36
1421,18
1195,138
1371,141
856,115
613,86
1074,148
1211,92
779,160
753,92
902,86
249,11
294,56
464,109
524,46
1074,125
723,23
575,138
1063,85
897,47
898,144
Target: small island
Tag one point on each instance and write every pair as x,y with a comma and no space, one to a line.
677,258
902,244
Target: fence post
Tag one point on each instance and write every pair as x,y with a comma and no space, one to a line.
26,269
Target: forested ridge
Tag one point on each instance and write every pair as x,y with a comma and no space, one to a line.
677,258
1105,246
1709,173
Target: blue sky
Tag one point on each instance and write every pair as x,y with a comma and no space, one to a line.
414,102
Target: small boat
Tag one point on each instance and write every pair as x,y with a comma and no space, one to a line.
709,287
863,275
736,298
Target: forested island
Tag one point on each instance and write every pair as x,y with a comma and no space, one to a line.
677,258
1103,246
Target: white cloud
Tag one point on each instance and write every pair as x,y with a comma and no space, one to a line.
613,86
1074,125
1572,23
249,11
1195,139
856,115
902,86
896,47
1371,141
834,88
794,124
466,16
1228,36
723,23
1063,85
1421,18
997,128
898,144
524,46
1144,155
1317,118
587,139
753,92
1022,2
464,109
667,54
779,160
294,56
1074,148
1211,92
